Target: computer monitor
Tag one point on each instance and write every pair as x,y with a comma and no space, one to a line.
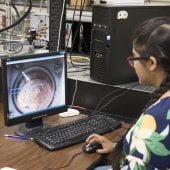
34,86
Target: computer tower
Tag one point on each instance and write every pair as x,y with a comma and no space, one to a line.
111,40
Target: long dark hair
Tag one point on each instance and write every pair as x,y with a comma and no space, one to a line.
151,38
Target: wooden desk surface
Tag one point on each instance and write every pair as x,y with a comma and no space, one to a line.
27,155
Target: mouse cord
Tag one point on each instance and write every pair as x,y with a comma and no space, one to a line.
61,167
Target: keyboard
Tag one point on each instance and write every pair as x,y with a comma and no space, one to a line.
74,132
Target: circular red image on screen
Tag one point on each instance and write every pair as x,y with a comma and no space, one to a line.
34,89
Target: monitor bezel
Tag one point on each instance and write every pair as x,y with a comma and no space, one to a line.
39,114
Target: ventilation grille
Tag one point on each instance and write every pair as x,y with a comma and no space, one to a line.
97,68
56,7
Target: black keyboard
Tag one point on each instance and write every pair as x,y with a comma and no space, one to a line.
75,132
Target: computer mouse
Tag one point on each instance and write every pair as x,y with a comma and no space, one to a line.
91,148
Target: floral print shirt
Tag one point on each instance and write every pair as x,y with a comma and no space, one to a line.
147,144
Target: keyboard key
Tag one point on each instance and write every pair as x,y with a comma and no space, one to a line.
75,132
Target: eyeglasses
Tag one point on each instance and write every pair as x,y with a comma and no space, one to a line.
132,59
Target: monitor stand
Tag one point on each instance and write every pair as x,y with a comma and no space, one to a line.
31,128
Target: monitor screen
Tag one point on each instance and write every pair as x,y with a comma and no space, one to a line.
34,86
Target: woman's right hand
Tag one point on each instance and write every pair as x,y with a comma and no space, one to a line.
107,145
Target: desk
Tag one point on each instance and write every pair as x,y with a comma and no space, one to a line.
27,155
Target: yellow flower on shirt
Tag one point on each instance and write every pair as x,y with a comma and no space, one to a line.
145,140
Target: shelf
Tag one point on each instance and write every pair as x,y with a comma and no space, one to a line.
86,14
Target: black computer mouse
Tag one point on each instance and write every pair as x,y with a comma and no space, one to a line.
91,148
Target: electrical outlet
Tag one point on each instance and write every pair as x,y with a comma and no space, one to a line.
122,14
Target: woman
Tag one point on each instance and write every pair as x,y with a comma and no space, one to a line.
147,144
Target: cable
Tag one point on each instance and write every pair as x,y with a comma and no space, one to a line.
77,29
115,97
105,97
61,21
79,23
6,52
25,4
3,10
83,41
78,26
79,60
79,70
41,3
14,49
19,20
16,10
5,39
75,90
81,28
3,33
61,167
69,35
